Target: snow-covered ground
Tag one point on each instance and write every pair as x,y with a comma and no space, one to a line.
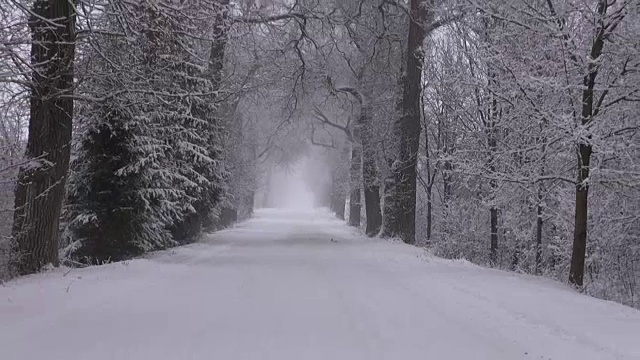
300,285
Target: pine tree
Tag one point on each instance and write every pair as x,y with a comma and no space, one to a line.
148,174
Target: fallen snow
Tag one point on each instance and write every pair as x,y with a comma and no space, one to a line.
278,287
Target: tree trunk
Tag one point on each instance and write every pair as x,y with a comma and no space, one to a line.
430,179
372,208
410,126
492,145
539,235
335,194
447,168
338,202
576,273
370,182
338,193
219,43
429,213
494,236
354,197
389,191
493,211
41,184
389,223
370,174
248,202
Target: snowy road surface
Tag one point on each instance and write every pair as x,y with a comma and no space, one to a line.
278,287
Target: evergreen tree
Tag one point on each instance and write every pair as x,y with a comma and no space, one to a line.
147,174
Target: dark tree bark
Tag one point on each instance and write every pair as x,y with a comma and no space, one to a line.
578,253
339,178
355,172
539,224
389,190
493,256
429,213
409,124
491,131
372,208
431,176
447,168
370,176
219,43
41,184
493,184
584,151
250,198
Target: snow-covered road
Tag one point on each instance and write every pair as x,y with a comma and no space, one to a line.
300,285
